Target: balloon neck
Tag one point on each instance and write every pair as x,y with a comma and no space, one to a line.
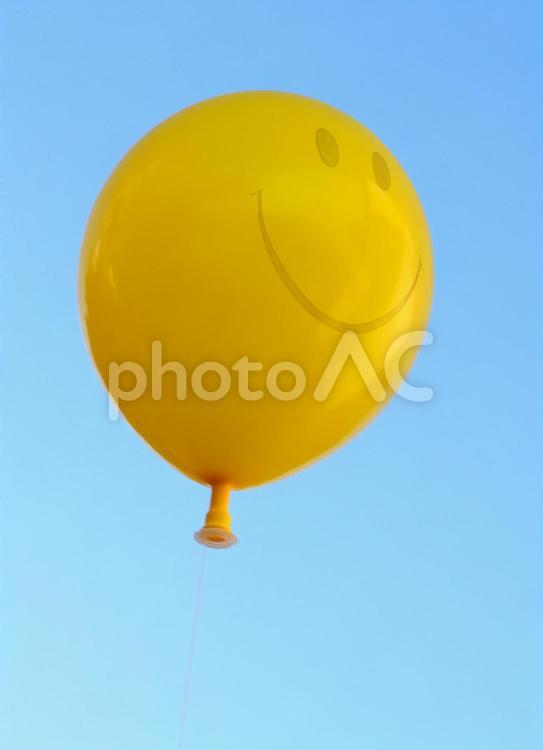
216,531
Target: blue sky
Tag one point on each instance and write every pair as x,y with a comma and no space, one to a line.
399,606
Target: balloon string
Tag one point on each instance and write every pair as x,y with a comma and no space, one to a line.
195,622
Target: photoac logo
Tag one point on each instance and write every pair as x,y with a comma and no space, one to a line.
238,375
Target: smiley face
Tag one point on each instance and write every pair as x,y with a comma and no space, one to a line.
373,251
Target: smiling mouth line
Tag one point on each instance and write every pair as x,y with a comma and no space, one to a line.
295,290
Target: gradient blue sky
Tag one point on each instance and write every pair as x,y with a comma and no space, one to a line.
400,605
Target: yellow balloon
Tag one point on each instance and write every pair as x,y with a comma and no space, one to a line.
250,274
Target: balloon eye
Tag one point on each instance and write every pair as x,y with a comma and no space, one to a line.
327,147
381,171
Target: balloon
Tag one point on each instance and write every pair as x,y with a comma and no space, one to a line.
246,272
